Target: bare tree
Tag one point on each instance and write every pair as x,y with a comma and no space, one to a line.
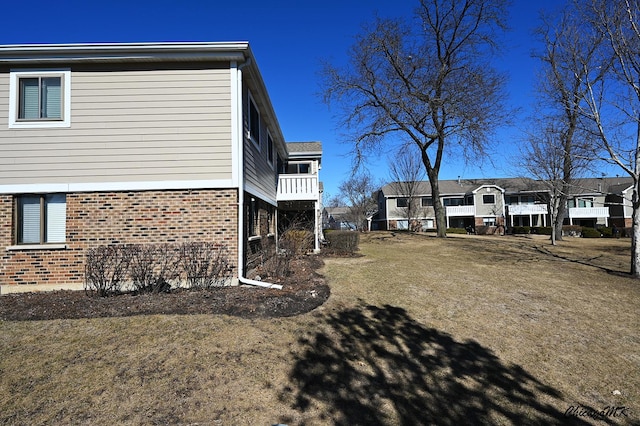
613,98
406,173
545,158
568,42
358,190
430,83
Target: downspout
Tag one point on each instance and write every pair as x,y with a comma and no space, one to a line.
240,140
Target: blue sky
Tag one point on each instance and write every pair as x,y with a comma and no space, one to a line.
289,39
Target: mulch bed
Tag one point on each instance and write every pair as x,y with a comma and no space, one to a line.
303,290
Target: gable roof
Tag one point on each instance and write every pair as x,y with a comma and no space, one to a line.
300,150
513,186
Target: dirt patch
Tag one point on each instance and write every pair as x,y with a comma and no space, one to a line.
303,290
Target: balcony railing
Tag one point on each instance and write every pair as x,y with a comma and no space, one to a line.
520,209
588,212
453,211
297,187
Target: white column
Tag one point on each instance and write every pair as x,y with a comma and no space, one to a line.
316,229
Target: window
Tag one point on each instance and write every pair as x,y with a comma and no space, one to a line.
269,149
512,200
585,202
402,202
39,98
41,219
254,122
299,168
489,221
427,202
488,199
453,201
253,218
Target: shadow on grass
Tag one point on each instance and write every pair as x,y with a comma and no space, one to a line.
585,262
377,366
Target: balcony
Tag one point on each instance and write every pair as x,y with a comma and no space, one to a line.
298,187
526,209
454,211
588,212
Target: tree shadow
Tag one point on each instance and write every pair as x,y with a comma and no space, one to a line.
377,366
585,262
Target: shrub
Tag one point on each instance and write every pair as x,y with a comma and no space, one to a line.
521,230
590,233
606,232
205,265
277,263
456,231
154,268
298,241
571,230
541,230
105,270
343,242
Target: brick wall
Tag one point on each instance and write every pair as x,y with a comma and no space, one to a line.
95,219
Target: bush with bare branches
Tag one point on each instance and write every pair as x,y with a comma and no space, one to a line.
153,268
111,270
105,269
205,265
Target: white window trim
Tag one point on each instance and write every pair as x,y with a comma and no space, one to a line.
15,75
53,246
489,195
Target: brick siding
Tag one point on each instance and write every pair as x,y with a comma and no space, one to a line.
103,218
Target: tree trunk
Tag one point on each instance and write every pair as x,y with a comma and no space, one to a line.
635,234
561,212
441,217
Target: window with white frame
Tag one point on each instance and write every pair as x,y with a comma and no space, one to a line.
585,202
489,221
39,98
254,122
488,199
41,219
427,202
402,202
299,168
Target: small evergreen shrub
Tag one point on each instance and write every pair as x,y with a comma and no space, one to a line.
541,230
521,230
606,232
590,233
343,242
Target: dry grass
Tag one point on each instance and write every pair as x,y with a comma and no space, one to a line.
483,330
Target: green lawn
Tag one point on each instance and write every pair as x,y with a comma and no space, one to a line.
418,330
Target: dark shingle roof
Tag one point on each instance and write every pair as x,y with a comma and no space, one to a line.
304,147
514,185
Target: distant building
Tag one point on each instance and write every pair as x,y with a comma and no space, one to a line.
508,202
